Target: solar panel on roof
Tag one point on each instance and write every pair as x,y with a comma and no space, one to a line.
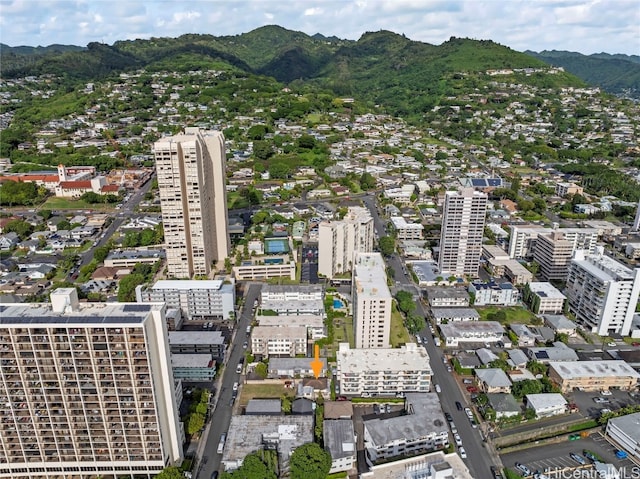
3,308
542,355
494,181
136,308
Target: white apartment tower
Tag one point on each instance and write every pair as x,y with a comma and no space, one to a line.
463,221
191,180
86,390
338,241
602,292
372,302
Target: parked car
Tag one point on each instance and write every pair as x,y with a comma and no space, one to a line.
578,458
462,452
457,439
621,454
448,416
472,389
459,405
438,388
605,392
496,473
600,400
467,381
523,469
589,455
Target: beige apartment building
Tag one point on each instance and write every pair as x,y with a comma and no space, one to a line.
87,390
553,253
191,180
338,241
593,375
372,302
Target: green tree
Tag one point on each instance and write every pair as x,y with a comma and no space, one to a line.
279,170
306,142
536,367
170,472
127,287
19,227
261,370
405,300
45,214
100,253
387,245
309,461
528,386
367,181
253,467
195,422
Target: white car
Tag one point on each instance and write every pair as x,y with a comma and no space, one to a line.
438,388
462,452
457,439
605,392
611,344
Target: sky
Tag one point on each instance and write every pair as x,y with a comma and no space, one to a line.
594,26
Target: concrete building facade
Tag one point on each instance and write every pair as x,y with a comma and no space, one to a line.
372,302
338,241
463,221
191,172
87,390
602,293
370,372
198,300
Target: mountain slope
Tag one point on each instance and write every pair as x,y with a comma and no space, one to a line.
618,74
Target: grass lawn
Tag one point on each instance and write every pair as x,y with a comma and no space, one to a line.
55,203
399,334
262,391
514,314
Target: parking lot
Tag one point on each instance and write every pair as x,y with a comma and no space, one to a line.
309,265
555,458
588,407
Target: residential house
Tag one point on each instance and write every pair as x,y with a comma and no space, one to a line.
493,380
340,442
546,404
504,404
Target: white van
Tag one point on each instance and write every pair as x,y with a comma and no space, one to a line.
239,368
223,438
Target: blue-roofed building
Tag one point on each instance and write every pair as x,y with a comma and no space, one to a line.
482,184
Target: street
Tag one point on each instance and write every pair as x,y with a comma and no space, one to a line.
480,455
221,416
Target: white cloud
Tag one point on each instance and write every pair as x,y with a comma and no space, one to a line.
582,25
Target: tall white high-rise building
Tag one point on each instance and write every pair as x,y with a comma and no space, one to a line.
372,302
86,390
338,241
602,292
463,221
191,181
636,221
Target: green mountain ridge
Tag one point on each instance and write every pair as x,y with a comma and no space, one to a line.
618,74
381,67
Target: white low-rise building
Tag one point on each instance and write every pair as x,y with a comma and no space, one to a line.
499,294
383,371
283,341
405,230
197,299
625,432
544,298
546,404
423,429
340,441
313,322
446,315
436,465
472,332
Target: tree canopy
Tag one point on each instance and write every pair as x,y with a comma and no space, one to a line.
309,461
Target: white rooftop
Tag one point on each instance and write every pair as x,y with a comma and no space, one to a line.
400,223
191,360
370,277
409,357
603,267
546,290
581,369
629,425
545,400
214,284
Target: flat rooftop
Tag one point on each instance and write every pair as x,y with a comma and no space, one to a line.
409,357
191,360
213,284
370,277
629,425
425,418
306,320
248,434
195,337
293,304
267,333
545,400
581,369
605,268
450,466
455,313
463,328
546,290
339,438
84,314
